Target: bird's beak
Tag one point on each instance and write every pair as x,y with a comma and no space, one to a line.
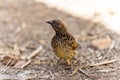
49,22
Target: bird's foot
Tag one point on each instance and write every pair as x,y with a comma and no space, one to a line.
68,62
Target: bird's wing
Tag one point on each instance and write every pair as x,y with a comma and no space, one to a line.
73,43
70,40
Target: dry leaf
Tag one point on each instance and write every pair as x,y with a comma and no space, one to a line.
102,43
9,60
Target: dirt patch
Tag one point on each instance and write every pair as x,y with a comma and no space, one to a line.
23,23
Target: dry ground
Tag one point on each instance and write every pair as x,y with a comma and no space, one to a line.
23,23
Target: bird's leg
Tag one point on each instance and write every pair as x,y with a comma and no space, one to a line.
68,62
59,60
74,58
69,65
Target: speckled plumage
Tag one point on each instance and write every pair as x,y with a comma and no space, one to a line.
63,43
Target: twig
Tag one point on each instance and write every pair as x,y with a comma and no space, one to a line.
16,50
8,63
10,45
34,53
6,52
106,70
86,74
74,71
112,45
80,70
28,62
103,63
52,76
31,77
77,69
96,64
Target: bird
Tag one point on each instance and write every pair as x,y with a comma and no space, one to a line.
63,44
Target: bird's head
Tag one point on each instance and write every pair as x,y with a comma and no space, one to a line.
57,25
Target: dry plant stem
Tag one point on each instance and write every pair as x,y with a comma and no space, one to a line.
86,74
9,64
104,62
84,32
113,43
52,76
29,78
5,67
16,50
101,63
77,69
10,45
80,70
34,53
74,71
6,52
106,70
28,62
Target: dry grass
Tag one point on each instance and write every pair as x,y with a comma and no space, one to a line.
23,30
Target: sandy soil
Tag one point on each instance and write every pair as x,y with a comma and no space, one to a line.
23,23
